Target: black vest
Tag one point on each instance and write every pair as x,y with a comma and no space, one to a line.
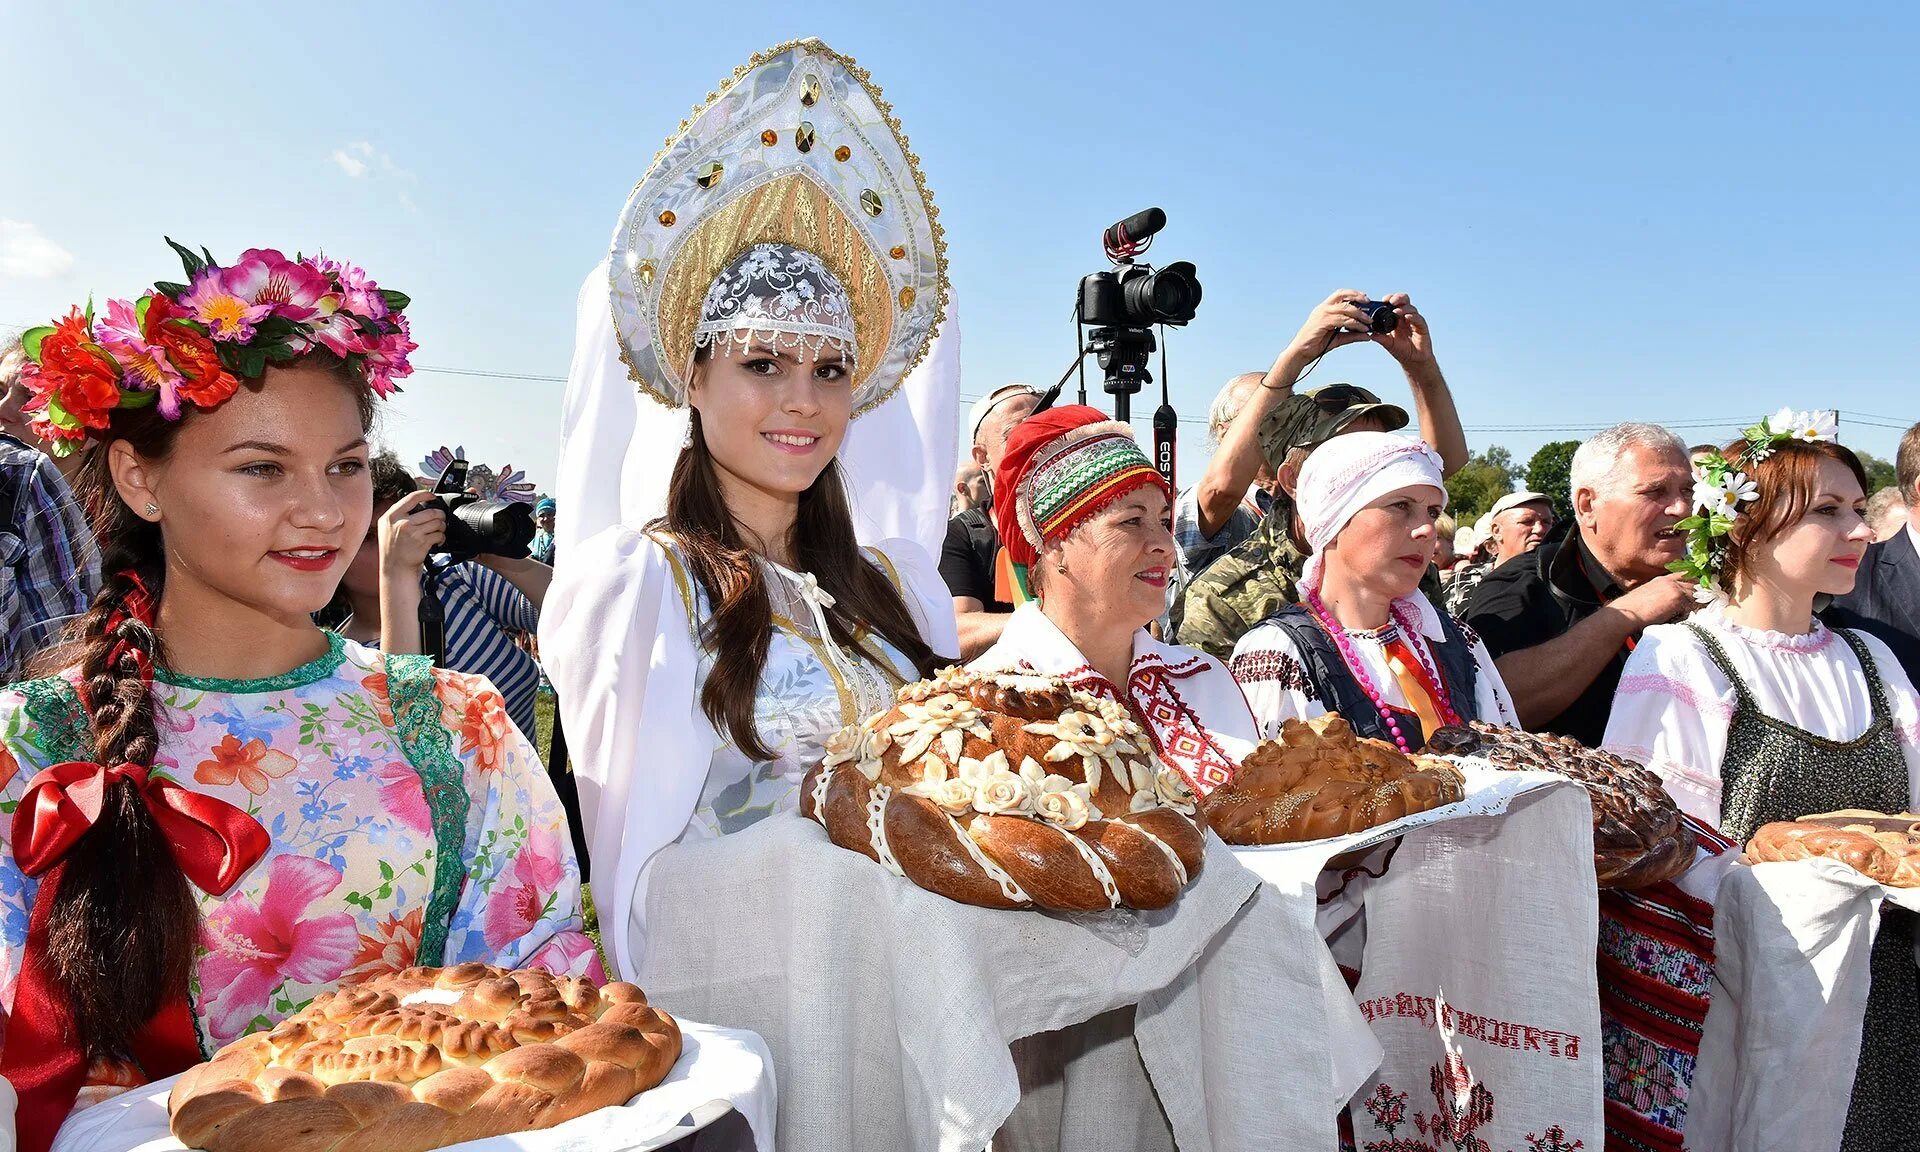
1340,691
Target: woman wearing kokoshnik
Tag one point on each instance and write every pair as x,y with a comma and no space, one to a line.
1754,711
215,810
714,621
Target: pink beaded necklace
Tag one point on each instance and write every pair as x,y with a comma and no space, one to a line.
1359,673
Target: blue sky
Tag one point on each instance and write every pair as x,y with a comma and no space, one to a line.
1694,215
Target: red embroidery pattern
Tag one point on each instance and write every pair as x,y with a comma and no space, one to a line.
1176,731
1461,1109
1266,666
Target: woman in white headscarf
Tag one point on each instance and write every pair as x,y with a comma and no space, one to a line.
1365,642
776,275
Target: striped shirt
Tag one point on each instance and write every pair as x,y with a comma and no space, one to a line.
484,613
48,571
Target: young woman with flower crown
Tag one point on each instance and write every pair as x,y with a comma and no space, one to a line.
217,811
1754,711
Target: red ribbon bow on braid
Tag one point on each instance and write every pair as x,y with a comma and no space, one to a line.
214,844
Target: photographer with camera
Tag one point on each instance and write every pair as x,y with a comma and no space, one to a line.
485,602
1259,576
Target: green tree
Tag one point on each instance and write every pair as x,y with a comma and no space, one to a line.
1880,473
1549,471
1484,478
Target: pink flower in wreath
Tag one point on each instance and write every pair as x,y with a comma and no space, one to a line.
229,316
358,293
387,362
252,949
516,906
291,289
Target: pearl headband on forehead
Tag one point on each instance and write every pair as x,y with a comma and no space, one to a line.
781,294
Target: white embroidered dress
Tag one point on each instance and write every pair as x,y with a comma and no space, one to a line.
1270,670
1674,704
620,632
1187,700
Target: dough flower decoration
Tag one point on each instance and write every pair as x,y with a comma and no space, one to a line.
948,718
1056,799
1098,741
1720,487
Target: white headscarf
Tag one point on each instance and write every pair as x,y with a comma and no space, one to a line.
1349,472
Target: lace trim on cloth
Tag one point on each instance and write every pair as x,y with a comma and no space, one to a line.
424,742
1805,644
311,672
781,294
54,708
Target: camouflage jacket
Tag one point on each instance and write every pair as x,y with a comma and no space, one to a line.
1252,581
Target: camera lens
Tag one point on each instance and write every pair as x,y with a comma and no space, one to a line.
1168,296
1381,318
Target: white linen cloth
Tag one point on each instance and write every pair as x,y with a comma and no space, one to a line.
1477,973
621,649
890,1010
1271,672
1674,704
1186,699
716,1064
1792,944
618,446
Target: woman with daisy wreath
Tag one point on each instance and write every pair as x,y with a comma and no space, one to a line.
216,811
1754,711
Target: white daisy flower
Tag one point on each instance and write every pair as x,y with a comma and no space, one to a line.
1816,427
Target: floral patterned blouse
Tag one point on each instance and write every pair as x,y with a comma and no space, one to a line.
411,823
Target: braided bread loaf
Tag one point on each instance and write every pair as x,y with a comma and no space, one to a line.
1010,791
425,1058
1883,847
1638,836
1319,780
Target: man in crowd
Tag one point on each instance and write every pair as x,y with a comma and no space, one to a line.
1258,576
1885,600
969,488
1516,524
50,572
968,554
1886,512
1237,490
1560,620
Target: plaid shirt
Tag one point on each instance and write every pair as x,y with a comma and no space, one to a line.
1197,551
48,570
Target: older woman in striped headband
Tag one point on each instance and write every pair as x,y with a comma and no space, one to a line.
1085,522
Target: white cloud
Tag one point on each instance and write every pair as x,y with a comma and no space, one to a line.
26,253
351,165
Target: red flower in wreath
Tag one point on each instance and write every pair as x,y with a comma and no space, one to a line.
205,382
74,373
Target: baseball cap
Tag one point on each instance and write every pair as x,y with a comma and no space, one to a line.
1515,499
983,407
1308,419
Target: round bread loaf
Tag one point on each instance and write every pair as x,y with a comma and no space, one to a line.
1882,846
1010,791
1319,780
424,1058
1638,836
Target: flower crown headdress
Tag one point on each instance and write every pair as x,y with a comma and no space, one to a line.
1720,486
195,342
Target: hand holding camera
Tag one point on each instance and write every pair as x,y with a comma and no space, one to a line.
1408,340
410,531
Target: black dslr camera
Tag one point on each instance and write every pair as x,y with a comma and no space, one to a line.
477,527
1124,305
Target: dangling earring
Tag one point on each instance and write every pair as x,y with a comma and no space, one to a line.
686,439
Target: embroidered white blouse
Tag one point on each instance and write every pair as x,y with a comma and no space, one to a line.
620,636
1270,670
1186,700
1674,705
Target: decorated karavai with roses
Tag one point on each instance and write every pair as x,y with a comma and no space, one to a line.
194,343
1010,791
195,850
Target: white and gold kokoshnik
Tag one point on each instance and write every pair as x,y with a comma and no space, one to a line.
797,148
